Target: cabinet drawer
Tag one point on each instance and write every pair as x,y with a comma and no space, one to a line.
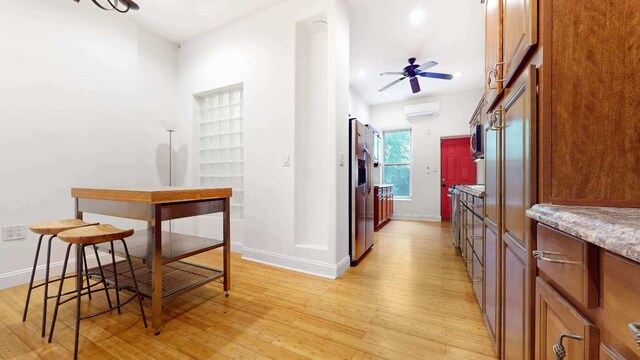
477,280
559,323
621,297
570,264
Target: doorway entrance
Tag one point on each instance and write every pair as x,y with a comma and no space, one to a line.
457,168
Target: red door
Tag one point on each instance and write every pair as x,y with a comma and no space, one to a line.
457,168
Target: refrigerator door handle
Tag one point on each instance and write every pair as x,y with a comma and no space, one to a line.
369,179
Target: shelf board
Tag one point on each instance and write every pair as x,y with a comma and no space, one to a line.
177,278
174,246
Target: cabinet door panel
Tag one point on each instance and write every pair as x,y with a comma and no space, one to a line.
493,49
515,330
519,33
492,175
556,317
491,270
518,120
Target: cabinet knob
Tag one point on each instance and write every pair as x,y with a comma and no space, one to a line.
635,330
559,349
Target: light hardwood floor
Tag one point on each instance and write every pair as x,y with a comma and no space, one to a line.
409,299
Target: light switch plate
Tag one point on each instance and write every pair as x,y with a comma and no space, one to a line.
286,160
16,232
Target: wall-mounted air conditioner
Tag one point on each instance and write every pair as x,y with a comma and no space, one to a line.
421,111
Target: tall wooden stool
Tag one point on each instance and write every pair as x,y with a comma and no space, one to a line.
51,229
91,236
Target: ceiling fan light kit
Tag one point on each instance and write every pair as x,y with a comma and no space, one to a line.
121,6
413,71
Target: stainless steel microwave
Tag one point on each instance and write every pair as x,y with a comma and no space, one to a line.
477,148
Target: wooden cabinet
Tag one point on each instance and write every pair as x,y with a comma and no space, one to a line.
382,205
491,281
621,290
493,50
515,121
519,34
561,329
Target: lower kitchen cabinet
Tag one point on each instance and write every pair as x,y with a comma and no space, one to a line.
515,302
382,205
606,327
561,331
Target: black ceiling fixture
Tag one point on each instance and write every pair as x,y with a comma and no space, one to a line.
121,6
413,71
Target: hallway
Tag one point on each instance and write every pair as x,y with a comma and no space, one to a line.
410,298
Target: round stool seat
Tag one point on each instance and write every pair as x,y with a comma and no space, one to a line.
95,234
56,227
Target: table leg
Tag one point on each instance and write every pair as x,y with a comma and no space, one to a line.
227,245
156,269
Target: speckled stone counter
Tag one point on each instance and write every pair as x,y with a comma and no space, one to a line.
475,190
614,229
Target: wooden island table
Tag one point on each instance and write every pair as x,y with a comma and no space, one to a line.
159,270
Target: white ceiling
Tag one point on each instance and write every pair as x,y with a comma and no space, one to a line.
383,38
179,20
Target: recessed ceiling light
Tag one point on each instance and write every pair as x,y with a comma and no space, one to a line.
457,74
385,94
417,17
362,73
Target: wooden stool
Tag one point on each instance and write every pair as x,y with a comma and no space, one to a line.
51,229
91,236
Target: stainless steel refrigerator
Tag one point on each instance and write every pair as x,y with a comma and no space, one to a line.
361,162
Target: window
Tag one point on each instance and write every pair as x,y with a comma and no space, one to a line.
221,143
397,161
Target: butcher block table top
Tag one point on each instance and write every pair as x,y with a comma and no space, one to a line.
152,195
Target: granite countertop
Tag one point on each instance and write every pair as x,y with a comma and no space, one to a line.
383,185
475,190
614,229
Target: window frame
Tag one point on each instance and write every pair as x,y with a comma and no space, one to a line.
410,163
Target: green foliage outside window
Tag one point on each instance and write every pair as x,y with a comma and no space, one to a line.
397,161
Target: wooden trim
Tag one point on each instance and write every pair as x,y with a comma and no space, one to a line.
152,195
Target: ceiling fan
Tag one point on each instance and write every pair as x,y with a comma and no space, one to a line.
413,71
118,5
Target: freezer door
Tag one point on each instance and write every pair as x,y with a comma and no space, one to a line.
360,185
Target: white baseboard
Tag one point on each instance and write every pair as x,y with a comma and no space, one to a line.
22,276
331,271
415,217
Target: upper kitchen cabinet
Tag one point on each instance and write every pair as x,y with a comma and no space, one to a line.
493,50
519,34
592,86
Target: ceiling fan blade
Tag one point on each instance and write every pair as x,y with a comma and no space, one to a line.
426,66
392,73
436,75
393,83
415,85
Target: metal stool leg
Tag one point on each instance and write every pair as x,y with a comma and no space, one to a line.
46,286
33,274
55,311
86,270
79,281
104,280
135,283
115,277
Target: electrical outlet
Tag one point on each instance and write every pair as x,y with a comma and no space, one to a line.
16,232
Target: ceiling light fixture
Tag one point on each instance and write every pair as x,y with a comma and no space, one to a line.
121,6
362,73
457,74
385,94
417,17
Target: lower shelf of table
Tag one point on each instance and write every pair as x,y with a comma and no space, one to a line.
177,277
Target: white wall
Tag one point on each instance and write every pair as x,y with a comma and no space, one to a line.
82,91
455,112
259,51
358,107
